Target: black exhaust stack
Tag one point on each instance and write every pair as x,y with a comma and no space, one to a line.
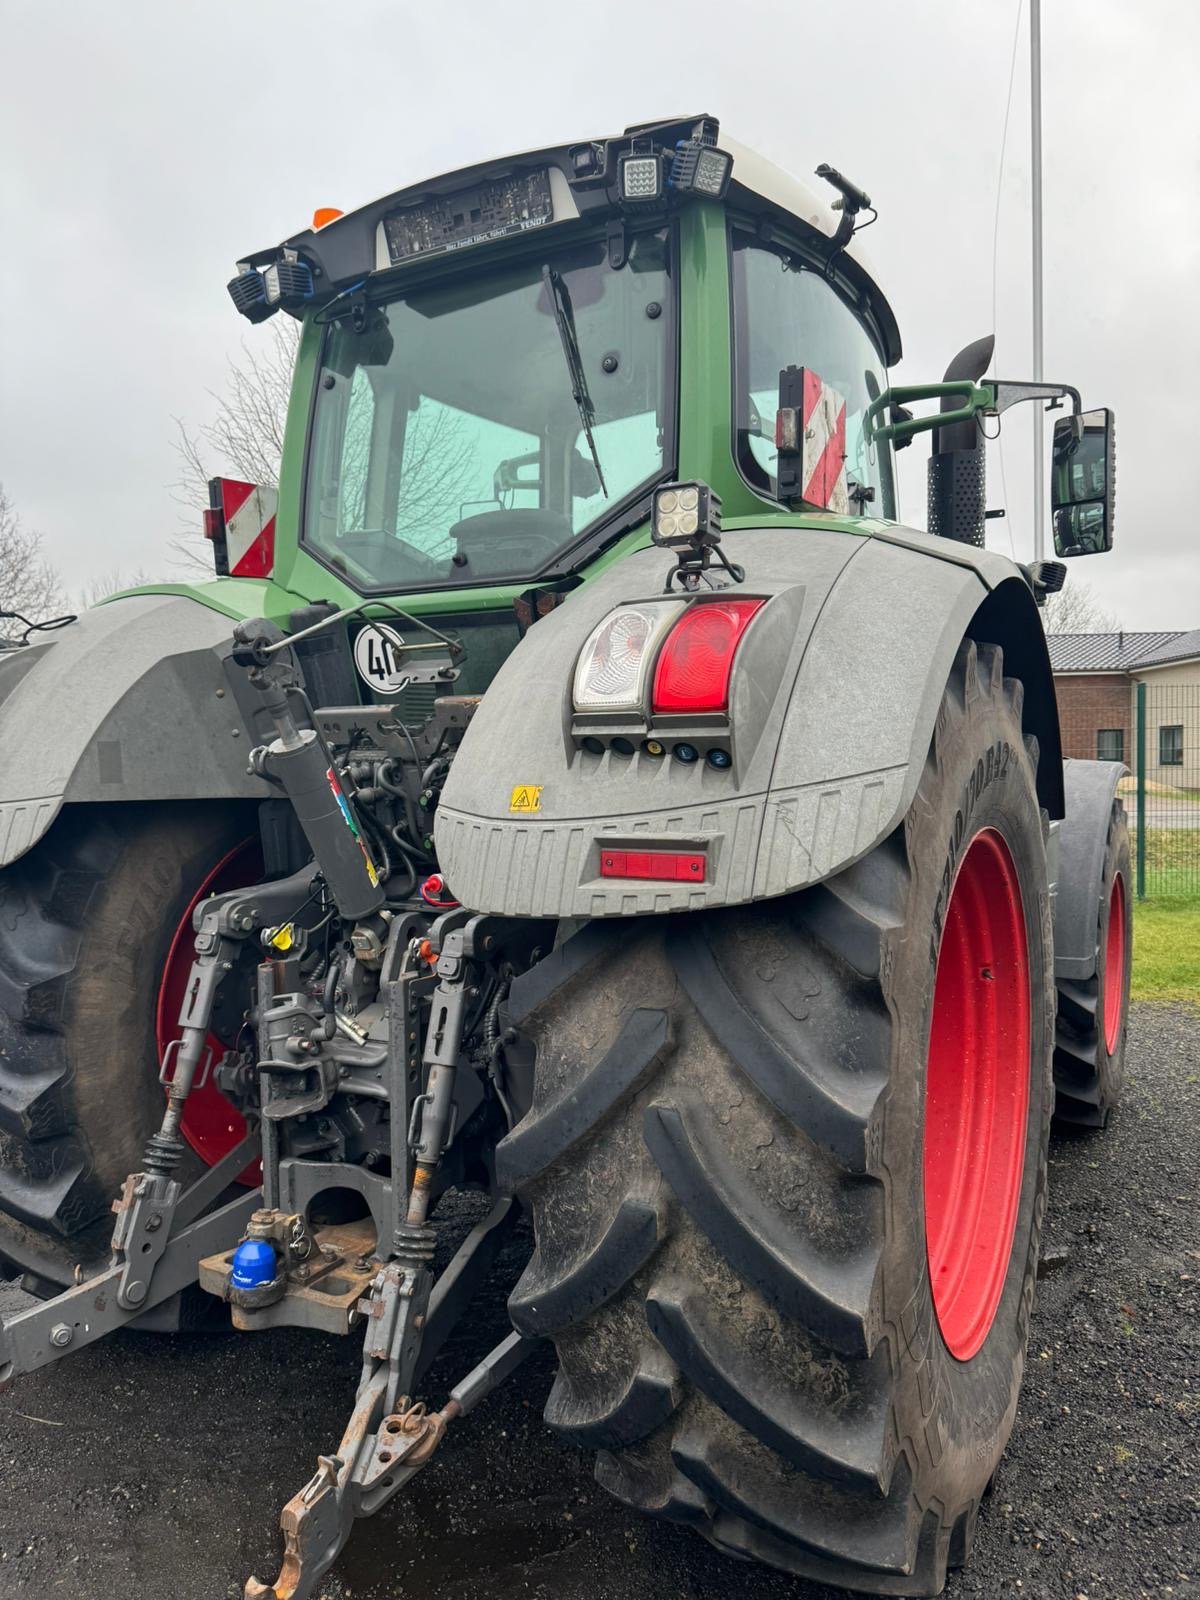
957,466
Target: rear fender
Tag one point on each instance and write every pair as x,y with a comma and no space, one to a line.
130,702
831,727
1091,787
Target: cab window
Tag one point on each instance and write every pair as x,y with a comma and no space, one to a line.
787,312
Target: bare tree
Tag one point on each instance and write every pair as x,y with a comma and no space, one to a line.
110,582
28,583
244,439
1075,609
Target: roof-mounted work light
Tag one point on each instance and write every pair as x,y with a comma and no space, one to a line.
640,173
700,169
288,282
249,294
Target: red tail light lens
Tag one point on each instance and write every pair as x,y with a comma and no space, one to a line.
694,665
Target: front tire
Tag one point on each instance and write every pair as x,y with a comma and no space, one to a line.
726,1160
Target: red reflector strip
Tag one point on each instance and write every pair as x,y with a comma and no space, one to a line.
214,523
674,866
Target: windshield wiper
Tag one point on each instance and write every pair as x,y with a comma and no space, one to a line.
564,316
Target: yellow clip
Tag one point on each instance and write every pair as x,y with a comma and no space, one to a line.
526,797
283,938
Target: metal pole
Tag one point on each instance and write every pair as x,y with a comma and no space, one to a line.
1035,152
1141,791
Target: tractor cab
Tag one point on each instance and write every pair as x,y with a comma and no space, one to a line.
498,366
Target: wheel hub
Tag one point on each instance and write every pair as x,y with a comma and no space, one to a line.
1114,964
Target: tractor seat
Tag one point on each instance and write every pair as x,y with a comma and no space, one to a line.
504,543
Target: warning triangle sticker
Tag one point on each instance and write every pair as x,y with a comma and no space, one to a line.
526,798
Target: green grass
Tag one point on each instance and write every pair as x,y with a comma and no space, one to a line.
1172,863
1166,950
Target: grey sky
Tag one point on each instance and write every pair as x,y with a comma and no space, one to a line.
146,145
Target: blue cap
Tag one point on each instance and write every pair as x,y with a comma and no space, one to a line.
253,1264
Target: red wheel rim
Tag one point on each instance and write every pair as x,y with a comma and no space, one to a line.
976,1093
212,1125
1114,965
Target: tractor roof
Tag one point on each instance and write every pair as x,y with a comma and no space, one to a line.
581,179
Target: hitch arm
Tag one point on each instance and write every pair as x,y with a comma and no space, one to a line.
370,1467
81,1315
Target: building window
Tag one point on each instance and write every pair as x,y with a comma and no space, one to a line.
1110,744
1170,745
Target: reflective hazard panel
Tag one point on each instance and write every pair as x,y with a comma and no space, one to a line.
810,436
240,521
526,798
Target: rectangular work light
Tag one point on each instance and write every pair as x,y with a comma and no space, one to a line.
701,169
640,173
249,294
288,282
685,514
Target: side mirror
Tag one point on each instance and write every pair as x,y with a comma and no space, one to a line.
1083,483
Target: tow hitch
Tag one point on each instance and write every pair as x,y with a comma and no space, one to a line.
380,1452
258,1251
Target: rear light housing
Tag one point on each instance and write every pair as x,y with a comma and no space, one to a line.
691,676
614,665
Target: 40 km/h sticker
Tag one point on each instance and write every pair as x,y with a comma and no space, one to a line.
378,654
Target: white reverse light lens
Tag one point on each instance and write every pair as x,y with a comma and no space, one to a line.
668,500
614,663
271,282
689,499
688,522
640,177
711,168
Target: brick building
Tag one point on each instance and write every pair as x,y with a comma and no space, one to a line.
1096,677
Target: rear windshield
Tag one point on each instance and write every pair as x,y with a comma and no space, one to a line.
449,444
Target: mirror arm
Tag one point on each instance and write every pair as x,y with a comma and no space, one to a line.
979,400
1013,394
975,398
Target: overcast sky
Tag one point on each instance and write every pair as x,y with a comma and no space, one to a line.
145,145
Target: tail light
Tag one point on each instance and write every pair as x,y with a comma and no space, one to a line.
615,662
695,662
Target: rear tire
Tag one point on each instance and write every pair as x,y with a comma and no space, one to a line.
86,920
1093,1013
724,1159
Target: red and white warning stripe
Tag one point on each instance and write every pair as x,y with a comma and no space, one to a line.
823,446
249,514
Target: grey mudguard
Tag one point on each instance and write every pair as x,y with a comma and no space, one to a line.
128,703
833,700
1091,787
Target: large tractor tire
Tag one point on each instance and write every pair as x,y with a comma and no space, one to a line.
94,937
1093,1013
787,1167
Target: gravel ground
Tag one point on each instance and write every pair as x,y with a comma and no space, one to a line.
156,1467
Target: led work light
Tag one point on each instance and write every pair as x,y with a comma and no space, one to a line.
249,294
700,169
685,514
640,173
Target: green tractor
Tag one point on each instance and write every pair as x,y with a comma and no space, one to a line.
578,786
